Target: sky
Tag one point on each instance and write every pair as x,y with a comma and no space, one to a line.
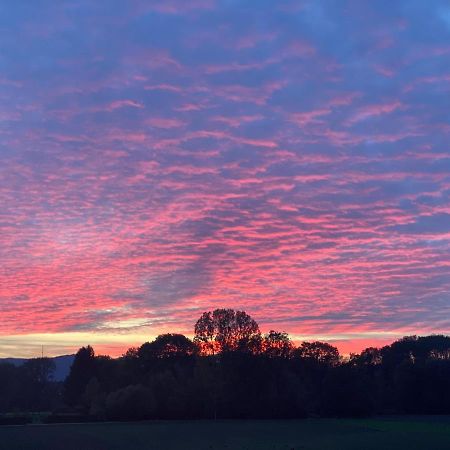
164,158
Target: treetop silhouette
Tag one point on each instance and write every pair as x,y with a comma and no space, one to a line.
225,330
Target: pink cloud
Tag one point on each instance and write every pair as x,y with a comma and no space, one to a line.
161,122
369,111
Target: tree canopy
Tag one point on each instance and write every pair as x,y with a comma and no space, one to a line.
225,330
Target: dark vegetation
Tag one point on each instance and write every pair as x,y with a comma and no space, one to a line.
230,370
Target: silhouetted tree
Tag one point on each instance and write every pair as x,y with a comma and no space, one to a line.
416,349
37,375
166,346
319,352
224,330
82,370
10,387
40,370
131,403
371,356
131,353
277,345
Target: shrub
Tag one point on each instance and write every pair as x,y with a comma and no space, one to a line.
135,402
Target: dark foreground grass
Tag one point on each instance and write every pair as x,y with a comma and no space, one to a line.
409,433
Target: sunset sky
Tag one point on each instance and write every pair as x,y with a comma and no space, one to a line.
164,158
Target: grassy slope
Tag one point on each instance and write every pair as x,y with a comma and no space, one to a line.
427,433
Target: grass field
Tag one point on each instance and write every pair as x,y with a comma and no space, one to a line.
410,433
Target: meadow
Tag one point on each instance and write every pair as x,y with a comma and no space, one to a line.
411,433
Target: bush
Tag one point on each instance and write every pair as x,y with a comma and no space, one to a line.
134,402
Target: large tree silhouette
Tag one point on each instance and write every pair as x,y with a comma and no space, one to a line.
166,346
319,352
83,369
277,345
224,330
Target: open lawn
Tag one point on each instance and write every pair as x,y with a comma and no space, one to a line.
410,433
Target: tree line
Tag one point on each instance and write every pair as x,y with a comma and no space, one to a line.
231,370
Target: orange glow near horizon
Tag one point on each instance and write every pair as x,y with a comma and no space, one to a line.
57,344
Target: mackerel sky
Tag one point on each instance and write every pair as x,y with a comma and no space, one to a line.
163,158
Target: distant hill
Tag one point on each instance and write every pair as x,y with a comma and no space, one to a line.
62,363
